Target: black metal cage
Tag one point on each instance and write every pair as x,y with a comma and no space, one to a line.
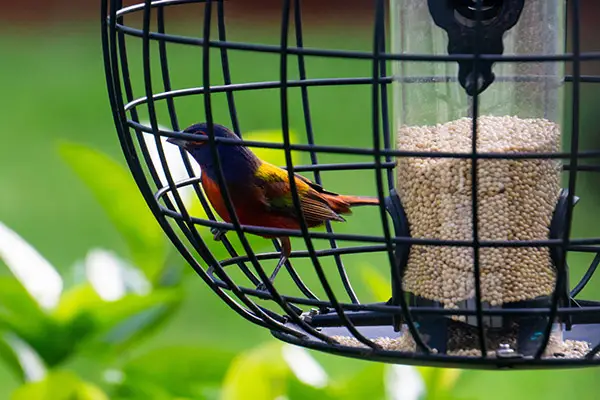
318,316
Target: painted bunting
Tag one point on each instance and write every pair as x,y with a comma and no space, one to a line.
260,191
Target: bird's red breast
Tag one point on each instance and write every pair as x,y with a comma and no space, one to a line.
249,209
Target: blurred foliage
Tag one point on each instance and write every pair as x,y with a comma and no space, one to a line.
59,385
114,189
106,328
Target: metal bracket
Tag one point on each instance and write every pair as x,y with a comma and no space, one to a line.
458,18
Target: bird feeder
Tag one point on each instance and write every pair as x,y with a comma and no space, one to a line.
472,161
518,110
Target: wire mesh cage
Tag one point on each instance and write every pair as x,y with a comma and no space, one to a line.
473,175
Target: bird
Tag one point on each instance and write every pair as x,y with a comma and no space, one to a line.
260,191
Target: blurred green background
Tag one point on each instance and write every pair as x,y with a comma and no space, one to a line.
54,91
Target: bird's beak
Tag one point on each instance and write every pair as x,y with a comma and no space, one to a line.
177,142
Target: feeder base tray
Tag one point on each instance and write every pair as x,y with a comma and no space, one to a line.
580,333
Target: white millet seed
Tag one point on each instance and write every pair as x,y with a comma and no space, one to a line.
463,341
516,201
404,342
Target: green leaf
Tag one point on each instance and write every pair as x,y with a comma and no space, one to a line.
552,384
133,314
117,193
75,314
59,385
75,300
8,354
142,390
34,272
299,391
82,318
111,276
30,362
258,374
368,383
179,371
125,322
267,372
107,327
439,382
18,309
22,315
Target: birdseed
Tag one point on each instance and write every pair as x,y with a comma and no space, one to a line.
404,342
463,341
516,200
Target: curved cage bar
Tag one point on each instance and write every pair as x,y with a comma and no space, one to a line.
461,291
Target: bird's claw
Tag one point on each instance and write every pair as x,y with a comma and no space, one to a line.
261,287
217,234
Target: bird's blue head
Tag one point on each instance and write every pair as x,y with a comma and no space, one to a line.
235,159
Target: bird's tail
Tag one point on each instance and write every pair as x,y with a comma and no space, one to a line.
341,204
360,200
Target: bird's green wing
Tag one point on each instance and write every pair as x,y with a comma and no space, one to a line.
275,186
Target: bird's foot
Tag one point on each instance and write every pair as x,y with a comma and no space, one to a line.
261,287
217,234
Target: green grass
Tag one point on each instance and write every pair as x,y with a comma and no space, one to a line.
53,89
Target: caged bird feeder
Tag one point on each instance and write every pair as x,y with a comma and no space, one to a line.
475,175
